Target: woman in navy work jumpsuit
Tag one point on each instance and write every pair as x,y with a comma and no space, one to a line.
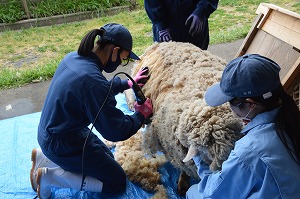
79,95
181,20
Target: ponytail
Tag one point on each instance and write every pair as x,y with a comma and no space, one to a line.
287,120
88,41
288,124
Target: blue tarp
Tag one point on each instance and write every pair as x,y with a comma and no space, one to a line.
18,136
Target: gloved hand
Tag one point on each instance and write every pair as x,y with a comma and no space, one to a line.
195,24
140,78
146,108
165,35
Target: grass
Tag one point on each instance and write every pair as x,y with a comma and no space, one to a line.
12,11
31,55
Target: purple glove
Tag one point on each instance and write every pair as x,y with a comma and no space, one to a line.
140,78
165,35
146,108
195,24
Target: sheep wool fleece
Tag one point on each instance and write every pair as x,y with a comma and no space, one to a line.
180,73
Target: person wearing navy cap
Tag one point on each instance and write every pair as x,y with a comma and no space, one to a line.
265,162
70,154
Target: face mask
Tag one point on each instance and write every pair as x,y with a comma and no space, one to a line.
112,66
245,119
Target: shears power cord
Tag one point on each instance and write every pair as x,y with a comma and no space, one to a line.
105,100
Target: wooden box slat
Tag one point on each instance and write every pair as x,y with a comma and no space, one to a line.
276,34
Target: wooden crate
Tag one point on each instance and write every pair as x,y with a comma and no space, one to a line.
276,34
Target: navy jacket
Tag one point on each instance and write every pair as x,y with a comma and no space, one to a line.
77,91
172,14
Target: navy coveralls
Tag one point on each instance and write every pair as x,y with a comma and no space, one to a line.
77,91
172,14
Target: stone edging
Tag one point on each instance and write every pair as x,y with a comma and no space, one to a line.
60,19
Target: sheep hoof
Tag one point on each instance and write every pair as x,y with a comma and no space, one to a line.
183,183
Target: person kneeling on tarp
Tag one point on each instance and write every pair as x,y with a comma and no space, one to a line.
71,155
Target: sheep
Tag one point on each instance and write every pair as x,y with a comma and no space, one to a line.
183,124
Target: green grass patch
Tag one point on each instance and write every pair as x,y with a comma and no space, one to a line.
17,77
12,10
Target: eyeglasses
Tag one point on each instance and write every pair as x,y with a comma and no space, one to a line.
125,61
237,102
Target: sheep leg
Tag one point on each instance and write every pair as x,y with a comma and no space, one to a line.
183,183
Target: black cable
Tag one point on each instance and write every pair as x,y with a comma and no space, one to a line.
109,90
131,79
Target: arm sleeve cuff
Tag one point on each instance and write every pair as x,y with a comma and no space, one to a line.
205,8
124,84
203,168
140,117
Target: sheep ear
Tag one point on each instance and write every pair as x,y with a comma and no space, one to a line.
191,153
